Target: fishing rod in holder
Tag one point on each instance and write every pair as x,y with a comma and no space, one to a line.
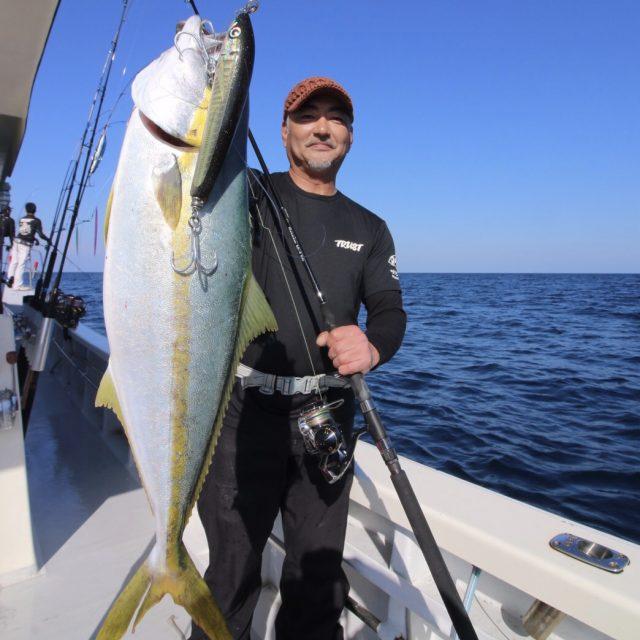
375,427
66,186
85,157
67,310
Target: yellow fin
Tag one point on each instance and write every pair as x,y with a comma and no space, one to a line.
118,618
107,396
256,318
186,587
107,215
167,187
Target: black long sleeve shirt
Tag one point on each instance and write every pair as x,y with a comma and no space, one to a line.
7,227
28,227
353,257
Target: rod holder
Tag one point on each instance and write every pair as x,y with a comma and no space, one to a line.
541,619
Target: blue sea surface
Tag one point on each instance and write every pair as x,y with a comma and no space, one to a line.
526,384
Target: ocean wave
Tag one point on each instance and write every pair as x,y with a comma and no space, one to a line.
488,367
528,385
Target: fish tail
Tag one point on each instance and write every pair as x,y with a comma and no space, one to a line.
116,623
183,583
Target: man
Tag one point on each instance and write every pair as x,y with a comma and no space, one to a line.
28,227
7,230
260,466
7,225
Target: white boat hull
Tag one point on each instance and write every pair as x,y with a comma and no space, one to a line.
92,523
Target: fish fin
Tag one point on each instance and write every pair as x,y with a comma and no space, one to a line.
183,583
167,187
119,617
256,317
107,214
107,396
188,589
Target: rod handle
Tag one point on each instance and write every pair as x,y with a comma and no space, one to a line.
327,317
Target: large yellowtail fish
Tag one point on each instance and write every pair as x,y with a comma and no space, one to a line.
180,301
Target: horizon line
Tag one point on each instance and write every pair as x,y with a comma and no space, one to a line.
484,273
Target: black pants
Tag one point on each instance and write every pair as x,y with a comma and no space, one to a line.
260,468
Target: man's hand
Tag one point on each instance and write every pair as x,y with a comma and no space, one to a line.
349,349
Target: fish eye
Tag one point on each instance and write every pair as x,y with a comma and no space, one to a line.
235,31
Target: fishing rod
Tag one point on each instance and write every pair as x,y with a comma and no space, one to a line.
193,6
417,520
84,153
375,427
66,186
67,309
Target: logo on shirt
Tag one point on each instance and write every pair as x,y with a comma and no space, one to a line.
345,244
393,263
24,227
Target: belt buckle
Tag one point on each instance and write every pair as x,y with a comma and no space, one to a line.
312,383
288,385
268,384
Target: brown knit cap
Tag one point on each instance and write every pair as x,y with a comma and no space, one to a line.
305,88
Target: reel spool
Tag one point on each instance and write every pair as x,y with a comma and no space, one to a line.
323,438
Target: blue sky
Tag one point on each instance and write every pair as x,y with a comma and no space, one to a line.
492,136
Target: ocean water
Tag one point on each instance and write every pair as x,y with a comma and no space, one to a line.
528,385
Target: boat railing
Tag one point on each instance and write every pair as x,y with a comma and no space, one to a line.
32,268
497,548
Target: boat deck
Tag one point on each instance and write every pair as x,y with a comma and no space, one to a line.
91,523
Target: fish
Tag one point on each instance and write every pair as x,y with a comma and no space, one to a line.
175,337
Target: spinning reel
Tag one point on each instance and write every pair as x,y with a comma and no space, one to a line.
68,309
323,437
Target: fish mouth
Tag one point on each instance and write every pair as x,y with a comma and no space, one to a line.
160,134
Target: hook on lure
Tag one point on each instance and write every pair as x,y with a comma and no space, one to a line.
209,54
194,264
231,86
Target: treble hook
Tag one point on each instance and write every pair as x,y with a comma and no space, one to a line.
195,263
209,55
207,29
200,45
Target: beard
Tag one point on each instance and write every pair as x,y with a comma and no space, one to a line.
320,165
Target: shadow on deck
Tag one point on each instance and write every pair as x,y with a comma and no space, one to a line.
70,469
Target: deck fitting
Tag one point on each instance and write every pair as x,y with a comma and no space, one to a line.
592,553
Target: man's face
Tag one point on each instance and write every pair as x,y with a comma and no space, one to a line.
318,135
